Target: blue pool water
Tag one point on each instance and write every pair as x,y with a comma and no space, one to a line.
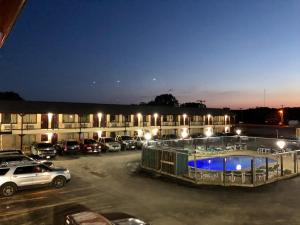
232,163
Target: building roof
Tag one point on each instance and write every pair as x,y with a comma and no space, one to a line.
9,10
91,108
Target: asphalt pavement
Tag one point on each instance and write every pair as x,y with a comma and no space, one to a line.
113,182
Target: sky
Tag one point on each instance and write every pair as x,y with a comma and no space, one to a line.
226,52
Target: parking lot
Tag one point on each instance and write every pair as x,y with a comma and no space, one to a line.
112,182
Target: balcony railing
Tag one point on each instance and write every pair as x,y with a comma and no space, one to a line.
197,123
218,123
10,127
116,124
170,123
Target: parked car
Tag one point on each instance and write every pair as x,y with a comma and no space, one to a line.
140,142
11,151
18,158
90,146
197,135
87,216
127,142
43,150
169,137
119,218
22,176
109,144
67,147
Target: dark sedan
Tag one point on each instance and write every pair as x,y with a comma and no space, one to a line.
68,147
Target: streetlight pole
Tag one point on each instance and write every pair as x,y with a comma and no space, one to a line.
238,132
208,133
281,116
184,135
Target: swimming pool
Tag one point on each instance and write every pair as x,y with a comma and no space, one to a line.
232,163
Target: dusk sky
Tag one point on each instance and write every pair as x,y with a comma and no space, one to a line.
107,51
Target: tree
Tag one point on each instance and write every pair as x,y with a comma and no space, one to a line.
10,96
165,99
193,105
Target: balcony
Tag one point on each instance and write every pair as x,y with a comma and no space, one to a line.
170,123
116,124
197,123
218,123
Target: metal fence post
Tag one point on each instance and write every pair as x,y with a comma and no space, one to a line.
195,167
281,165
295,162
253,171
224,171
267,168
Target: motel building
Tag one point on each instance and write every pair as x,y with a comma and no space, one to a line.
25,122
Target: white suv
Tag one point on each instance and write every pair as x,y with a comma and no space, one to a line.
22,175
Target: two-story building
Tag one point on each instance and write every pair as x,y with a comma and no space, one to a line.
25,122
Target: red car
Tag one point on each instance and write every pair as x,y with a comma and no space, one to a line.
90,146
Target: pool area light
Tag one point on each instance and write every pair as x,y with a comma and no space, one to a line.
281,144
184,133
155,131
148,136
208,133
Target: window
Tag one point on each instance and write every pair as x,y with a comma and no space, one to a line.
113,118
85,118
44,137
71,143
3,171
8,118
170,118
41,169
128,118
89,141
24,170
15,158
29,118
68,118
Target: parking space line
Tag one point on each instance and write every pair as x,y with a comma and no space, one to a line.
21,200
32,209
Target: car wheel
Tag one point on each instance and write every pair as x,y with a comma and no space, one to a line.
59,182
8,189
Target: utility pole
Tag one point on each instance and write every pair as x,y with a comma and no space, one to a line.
264,97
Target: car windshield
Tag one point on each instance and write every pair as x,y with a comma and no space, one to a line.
89,141
109,140
125,138
14,158
44,145
72,143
